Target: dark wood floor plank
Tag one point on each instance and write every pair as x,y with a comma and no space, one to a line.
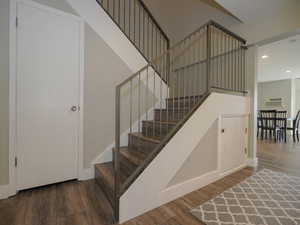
84,203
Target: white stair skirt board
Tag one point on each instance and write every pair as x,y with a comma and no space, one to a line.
4,189
183,143
97,18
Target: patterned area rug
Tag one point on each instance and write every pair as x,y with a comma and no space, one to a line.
267,197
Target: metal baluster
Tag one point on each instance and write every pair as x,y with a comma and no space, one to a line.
218,58
148,38
117,149
240,66
152,40
232,63
139,102
131,105
119,14
184,66
194,68
139,26
108,6
153,99
208,57
124,15
113,13
134,22
129,8
235,65
160,93
144,48
244,70
199,63
147,85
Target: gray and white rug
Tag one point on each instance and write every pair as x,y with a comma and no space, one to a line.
266,198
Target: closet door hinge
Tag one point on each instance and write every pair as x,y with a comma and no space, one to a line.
16,162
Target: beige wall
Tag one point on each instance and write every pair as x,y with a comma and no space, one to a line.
202,160
4,89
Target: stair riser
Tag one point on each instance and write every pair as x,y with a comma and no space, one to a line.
156,130
127,166
105,187
141,144
188,102
170,115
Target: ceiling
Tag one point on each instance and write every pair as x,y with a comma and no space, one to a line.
179,18
283,56
255,10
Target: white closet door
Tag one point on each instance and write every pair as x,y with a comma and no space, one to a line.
48,55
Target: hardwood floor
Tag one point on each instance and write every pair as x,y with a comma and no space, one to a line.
279,155
83,203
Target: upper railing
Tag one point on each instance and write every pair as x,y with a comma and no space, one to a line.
138,24
212,57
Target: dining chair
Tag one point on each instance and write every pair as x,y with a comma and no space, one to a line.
259,123
268,121
295,127
281,125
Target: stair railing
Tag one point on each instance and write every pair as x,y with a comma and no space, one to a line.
138,24
211,57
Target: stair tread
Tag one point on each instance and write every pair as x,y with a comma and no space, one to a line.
147,138
134,156
184,97
107,172
169,109
160,122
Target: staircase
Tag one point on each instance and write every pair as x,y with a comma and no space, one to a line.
142,144
155,102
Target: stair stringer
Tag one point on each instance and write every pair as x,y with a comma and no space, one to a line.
149,189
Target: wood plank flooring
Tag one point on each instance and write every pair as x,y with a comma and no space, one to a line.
83,203
279,155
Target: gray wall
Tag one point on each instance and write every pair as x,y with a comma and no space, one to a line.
4,89
276,89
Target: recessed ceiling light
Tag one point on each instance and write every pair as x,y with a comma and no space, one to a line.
265,56
288,71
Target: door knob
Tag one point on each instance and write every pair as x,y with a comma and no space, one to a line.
74,108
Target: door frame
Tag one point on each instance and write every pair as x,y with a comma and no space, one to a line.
81,174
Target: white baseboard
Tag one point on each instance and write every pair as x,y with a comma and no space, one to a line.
87,174
194,184
253,162
4,191
179,190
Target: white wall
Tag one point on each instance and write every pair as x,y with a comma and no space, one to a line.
297,96
276,89
4,92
